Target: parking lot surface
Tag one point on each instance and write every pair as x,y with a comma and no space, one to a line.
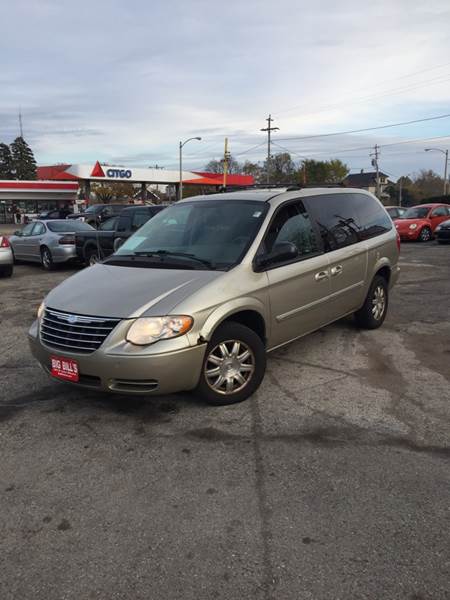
332,482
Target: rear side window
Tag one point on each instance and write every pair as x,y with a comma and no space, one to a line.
337,219
345,219
441,211
373,219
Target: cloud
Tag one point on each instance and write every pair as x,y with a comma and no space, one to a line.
125,83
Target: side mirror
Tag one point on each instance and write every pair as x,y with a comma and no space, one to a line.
282,252
117,243
18,233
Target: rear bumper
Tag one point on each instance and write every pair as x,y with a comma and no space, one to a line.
6,257
163,373
62,253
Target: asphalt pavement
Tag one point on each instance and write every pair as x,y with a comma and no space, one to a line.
332,482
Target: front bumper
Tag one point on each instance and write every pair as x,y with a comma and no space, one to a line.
409,234
443,235
164,373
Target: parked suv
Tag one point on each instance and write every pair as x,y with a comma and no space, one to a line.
98,213
196,298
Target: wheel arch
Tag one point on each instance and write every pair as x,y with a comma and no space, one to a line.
249,313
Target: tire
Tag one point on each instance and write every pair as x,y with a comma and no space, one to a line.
92,257
6,271
425,234
250,369
47,259
373,312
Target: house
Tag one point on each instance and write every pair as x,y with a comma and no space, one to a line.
368,181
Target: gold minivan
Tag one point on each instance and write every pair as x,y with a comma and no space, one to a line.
196,298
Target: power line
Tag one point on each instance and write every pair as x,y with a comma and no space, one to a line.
320,135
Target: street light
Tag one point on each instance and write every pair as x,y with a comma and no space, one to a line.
180,193
445,152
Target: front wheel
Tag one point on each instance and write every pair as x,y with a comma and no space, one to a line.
373,312
46,259
234,365
425,235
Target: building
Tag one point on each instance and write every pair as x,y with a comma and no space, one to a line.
368,181
32,197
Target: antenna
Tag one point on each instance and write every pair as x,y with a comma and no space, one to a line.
20,122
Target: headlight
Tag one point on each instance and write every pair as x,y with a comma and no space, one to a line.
438,228
413,226
148,330
40,310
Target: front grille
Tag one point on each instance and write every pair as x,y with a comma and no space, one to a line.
75,333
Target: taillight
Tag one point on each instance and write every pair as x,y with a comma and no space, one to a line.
398,240
67,239
4,242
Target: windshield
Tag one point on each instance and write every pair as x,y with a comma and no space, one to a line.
216,232
416,212
68,226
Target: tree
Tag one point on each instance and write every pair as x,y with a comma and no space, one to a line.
427,184
322,171
105,192
253,169
6,162
24,163
282,168
216,166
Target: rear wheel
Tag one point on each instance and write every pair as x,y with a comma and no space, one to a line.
92,257
373,312
46,259
425,235
234,365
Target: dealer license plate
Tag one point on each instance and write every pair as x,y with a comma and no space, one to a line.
64,368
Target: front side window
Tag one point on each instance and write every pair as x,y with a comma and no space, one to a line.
216,231
109,225
292,224
27,229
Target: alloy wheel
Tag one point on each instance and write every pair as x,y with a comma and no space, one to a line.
46,259
378,302
229,367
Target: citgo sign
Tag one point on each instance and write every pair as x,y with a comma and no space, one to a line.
119,173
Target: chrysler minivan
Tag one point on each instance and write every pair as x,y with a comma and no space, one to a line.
198,296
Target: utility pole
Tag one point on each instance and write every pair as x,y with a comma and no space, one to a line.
269,130
375,164
226,158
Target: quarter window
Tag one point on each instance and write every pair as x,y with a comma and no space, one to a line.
337,219
292,224
441,211
372,217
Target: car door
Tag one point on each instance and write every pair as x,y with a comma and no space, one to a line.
21,243
438,215
340,228
35,239
298,290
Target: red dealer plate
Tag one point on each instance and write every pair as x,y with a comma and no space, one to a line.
64,368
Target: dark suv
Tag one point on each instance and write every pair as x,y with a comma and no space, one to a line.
98,213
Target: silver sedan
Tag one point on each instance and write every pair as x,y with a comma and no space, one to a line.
6,257
47,242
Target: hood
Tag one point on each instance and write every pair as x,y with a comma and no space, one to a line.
124,292
405,223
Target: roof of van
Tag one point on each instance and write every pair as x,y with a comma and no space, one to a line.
264,195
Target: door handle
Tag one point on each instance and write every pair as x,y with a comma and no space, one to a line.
321,275
337,270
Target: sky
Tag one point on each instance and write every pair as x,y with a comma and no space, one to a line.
124,82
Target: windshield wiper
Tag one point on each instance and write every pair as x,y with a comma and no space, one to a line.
163,253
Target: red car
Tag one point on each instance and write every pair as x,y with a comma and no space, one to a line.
419,222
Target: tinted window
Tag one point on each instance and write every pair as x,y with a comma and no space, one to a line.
336,218
292,224
416,212
68,226
109,225
373,219
441,211
139,218
38,229
124,223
